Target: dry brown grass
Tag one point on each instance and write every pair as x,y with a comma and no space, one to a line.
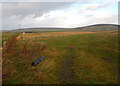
55,34
51,34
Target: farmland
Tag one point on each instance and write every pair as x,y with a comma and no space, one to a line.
72,57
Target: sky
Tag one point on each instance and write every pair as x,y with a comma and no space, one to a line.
58,14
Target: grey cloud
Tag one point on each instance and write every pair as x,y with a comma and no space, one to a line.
46,0
13,13
28,8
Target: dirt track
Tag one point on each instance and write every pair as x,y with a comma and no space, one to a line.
66,71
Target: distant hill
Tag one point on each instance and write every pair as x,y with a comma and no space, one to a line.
37,29
85,28
100,27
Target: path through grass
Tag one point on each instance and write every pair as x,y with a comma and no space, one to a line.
66,71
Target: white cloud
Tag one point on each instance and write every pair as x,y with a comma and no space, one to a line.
81,15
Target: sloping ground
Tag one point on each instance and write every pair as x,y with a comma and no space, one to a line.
70,59
6,36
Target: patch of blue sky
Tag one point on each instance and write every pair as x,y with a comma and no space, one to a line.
113,8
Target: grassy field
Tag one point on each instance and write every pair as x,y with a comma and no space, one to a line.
71,58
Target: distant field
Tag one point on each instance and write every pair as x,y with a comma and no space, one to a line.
72,57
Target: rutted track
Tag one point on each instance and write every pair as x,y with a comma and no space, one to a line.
66,70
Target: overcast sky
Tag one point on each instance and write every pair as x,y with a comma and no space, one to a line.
58,14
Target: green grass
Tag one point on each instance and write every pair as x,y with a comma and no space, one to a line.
94,59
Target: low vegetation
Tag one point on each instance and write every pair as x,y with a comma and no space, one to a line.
74,58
